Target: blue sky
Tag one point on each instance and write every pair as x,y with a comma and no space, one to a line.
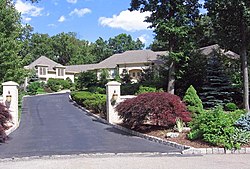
90,19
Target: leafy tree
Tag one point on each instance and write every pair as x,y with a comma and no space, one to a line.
124,42
101,50
83,53
231,20
40,45
174,24
10,44
64,45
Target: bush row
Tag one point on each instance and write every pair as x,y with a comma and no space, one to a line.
93,101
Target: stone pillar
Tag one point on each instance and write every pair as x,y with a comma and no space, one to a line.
113,91
11,89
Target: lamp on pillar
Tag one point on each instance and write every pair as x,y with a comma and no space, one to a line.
114,98
8,97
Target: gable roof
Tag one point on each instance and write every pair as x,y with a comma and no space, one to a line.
80,68
209,50
44,61
128,57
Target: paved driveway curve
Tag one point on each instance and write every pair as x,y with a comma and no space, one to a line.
52,125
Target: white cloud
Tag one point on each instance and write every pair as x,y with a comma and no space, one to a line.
26,19
51,25
143,38
61,19
80,12
129,21
27,8
72,1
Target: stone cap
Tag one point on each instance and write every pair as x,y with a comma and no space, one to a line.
113,83
10,83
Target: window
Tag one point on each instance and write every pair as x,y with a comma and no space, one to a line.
112,73
60,72
42,71
138,74
133,74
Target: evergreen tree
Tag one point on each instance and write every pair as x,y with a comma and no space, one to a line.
231,20
193,102
217,88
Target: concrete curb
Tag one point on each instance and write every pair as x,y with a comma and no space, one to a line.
88,155
215,151
145,136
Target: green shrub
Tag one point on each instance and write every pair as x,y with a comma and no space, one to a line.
193,102
33,87
231,107
144,89
40,91
79,97
129,89
95,89
216,127
97,103
58,84
91,101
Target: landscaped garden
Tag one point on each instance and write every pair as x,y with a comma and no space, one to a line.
167,116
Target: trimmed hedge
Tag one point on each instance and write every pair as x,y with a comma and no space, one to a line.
160,108
92,101
145,89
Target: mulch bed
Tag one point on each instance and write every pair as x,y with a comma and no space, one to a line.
182,139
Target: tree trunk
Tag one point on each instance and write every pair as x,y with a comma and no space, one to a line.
171,77
243,56
245,79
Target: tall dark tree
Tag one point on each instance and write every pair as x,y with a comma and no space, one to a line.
231,20
173,21
204,31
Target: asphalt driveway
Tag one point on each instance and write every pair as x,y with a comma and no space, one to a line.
52,125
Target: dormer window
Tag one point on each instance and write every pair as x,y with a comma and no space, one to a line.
42,70
60,72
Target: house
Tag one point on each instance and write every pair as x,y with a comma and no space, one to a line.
132,62
46,68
